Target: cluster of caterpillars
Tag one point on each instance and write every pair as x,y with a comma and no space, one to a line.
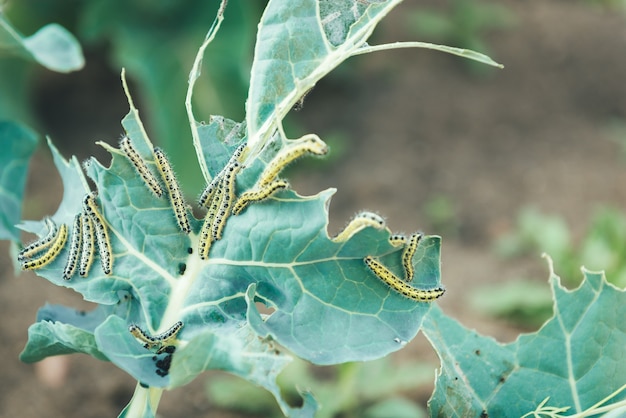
220,196
221,199
401,285
88,229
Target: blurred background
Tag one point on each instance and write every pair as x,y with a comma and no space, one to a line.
504,164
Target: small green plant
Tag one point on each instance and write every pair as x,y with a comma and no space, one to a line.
525,301
178,295
602,248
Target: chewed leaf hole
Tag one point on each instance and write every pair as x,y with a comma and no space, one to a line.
264,309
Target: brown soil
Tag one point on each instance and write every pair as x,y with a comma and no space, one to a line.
418,125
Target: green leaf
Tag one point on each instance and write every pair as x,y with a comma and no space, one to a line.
297,46
575,359
60,330
51,46
328,307
18,144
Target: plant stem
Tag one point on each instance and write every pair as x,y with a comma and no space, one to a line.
144,403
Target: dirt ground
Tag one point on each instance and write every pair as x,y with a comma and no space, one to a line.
417,125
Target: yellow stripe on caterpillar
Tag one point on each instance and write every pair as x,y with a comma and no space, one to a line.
308,145
141,167
102,235
51,253
41,244
358,223
206,234
158,342
176,196
226,203
87,248
258,195
207,193
75,246
393,281
407,256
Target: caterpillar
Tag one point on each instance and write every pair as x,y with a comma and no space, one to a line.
206,235
102,235
160,342
140,167
87,248
407,256
397,240
176,196
208,192
41,244
51,253
310,145
226,203
75,246
258,194
397,284
359,222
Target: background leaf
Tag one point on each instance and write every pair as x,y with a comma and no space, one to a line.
51,46
575,359
18,144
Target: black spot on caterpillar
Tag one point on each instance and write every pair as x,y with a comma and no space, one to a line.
87,245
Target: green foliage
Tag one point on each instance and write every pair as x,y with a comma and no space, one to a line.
51,46
322,304
524,302
602,248
18,144
575,359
